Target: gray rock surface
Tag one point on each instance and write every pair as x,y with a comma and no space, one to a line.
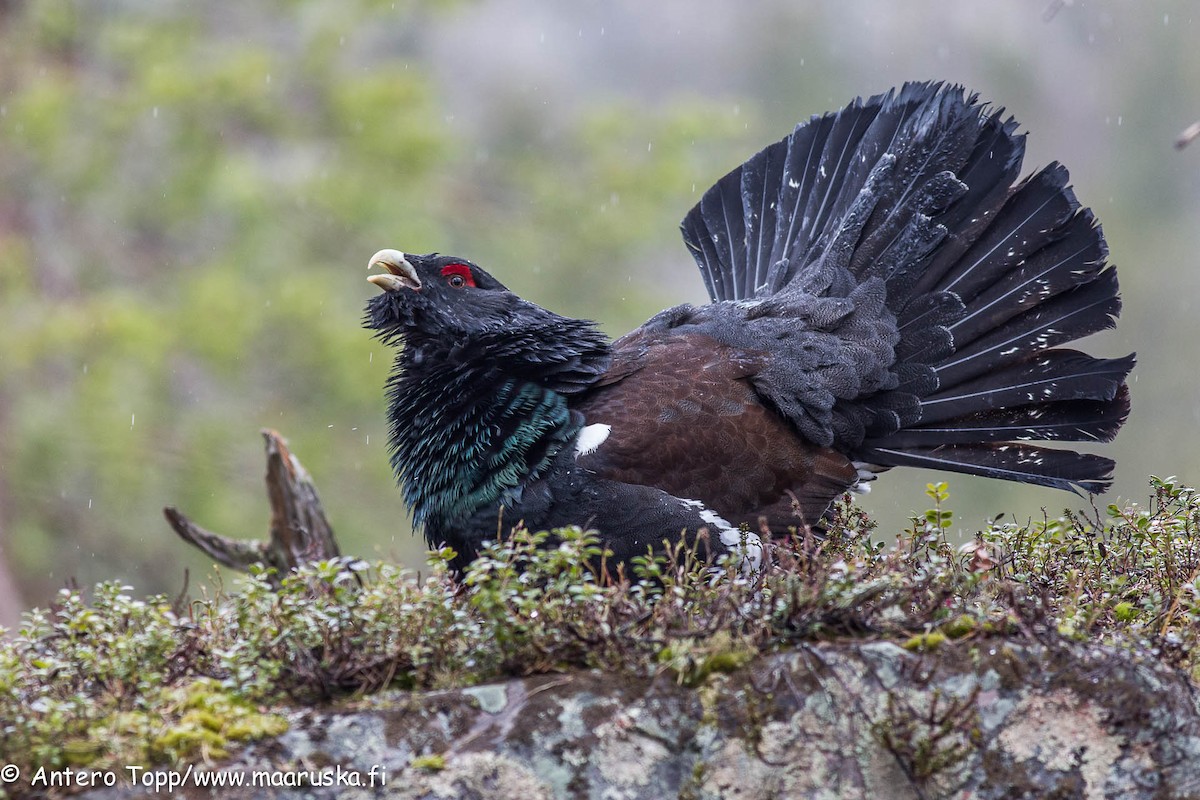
974,719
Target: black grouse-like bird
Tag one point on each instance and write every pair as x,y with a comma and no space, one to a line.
885,293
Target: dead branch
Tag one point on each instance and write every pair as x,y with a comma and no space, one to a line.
299,532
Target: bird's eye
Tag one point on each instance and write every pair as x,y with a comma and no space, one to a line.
458,275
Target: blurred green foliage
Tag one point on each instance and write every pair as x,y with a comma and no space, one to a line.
184,222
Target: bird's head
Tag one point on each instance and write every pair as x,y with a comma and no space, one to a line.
434,295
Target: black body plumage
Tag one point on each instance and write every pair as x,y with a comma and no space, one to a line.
481,429
885,293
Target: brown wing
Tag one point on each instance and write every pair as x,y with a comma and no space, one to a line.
684,418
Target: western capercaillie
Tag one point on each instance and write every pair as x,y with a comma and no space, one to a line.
885,292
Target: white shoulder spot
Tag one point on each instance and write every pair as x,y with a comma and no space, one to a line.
590,438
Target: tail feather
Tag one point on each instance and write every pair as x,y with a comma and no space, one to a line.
916,191
767,171
1048,377
1075,259
906,236
714,233
827,174
870,176
989,174
1042,466
1082,311
1024,219
925,335
1064,421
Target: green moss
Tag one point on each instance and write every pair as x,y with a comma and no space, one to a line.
693,660
430,763
210,719
255,726
710,698
1125,611
81,752
187,740
925,641
960,626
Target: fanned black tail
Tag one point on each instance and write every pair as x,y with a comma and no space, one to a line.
985,278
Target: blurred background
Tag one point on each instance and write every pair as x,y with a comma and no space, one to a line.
189,193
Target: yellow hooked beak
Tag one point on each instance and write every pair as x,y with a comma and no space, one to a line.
400,274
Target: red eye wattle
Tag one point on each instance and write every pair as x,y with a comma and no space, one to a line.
458,275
